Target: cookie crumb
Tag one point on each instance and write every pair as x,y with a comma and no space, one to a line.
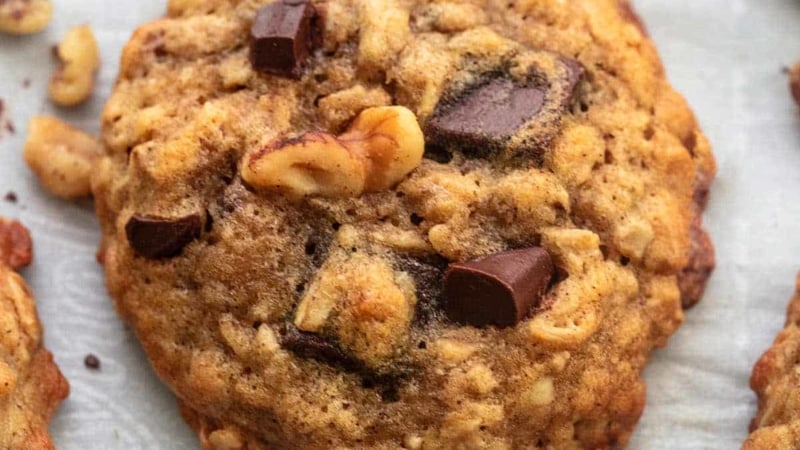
91,362
5,123
11,197
26,83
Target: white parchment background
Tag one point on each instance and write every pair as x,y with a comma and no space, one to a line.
726,56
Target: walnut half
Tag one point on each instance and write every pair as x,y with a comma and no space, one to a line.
381,147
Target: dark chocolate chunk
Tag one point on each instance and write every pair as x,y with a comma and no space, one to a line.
11,197
91,362
484,117
282,37
427,272
316,347
160,237
327,351
487,113
500,289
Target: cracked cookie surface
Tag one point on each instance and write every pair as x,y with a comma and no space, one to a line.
322,305
31,386
776,381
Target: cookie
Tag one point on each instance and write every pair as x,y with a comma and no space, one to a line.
776,381
794,82
31,386
384,224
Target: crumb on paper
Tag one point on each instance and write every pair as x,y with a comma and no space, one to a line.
11,197
91,362
6,125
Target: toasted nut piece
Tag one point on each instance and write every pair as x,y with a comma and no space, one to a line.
381,147
61,156
313,164
391,140
25,16
16,247
79,58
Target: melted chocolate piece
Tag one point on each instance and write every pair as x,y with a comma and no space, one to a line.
488,113
158,237
483,118
316,347
282,37
326,351
500,289
427,272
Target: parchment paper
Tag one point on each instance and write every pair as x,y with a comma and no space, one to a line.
726,56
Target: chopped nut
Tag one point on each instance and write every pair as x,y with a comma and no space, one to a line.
79,58
390,139
25,16
313,164
16,247
382,146
61,156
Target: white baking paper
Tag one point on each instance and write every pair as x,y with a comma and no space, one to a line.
726,56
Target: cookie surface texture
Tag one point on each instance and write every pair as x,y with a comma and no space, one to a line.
776,381
31,386
402,224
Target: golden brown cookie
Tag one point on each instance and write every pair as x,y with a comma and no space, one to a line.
776,381
31,386
389,224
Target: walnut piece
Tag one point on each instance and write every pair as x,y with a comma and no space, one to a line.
79,59
381,147
16,247
25,16
61,156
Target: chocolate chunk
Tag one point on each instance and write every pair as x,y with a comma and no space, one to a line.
91,362
487,113
484,117
501,289
427,272
316,347
327,351
11,197
159,237
282,37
